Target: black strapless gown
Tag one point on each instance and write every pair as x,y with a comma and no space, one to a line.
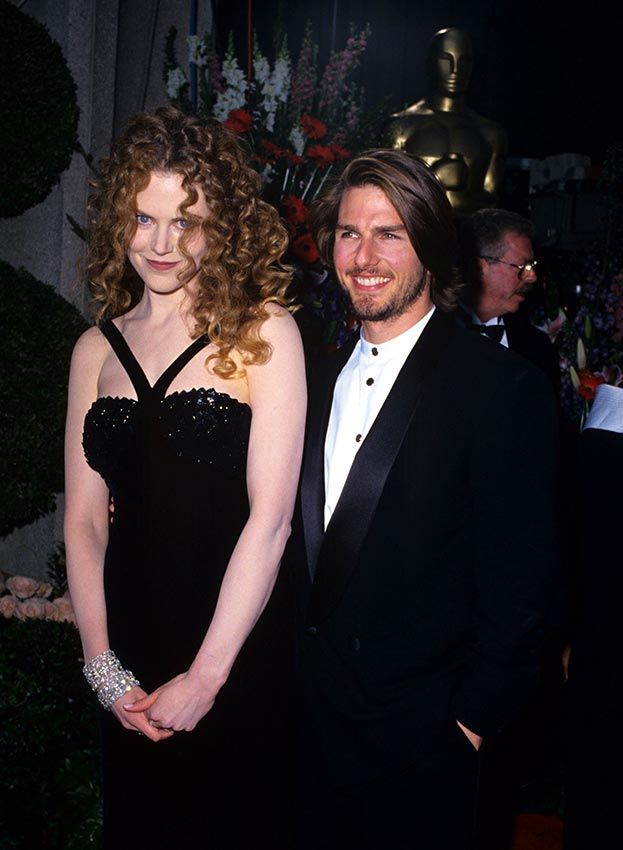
175,466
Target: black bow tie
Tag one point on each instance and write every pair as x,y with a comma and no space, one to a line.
495,332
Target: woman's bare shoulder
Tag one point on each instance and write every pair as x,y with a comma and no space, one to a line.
280,325
90,350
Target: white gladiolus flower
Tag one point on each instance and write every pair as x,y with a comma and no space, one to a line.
297,139
261,68
234,95
281,79
176,78
196,51
274,87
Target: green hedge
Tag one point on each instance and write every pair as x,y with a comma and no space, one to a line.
49,762
38,111
38,329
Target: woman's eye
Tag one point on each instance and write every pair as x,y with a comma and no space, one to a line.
142,218
183,223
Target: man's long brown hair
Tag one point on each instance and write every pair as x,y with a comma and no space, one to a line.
420,201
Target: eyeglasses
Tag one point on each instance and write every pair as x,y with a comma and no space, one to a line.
522,270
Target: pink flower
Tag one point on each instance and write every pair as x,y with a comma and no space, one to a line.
613,375
64,609
44,591
552,327
22,586
30,609
8,605
303,78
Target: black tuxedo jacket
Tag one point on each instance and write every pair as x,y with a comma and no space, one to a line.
424,600
534,345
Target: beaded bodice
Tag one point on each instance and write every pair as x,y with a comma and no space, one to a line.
127,439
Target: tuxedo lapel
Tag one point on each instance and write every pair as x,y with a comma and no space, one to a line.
312,477
339,549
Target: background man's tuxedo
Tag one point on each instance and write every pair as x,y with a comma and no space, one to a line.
534,345
431,581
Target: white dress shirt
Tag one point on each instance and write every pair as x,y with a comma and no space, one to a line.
359,394
496,320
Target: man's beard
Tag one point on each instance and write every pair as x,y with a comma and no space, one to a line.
368,309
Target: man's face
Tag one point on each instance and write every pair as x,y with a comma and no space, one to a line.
377,265
503,288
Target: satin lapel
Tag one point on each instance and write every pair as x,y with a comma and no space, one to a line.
356,507
312,477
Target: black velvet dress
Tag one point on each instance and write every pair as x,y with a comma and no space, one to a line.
175,466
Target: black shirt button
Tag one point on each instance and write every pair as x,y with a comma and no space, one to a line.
311,630
355,644
375,351
358,438
370,381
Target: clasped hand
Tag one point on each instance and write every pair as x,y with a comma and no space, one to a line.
176,706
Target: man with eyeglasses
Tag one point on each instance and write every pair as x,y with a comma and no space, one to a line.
498,263
499,268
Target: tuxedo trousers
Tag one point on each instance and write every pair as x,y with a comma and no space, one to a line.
431,806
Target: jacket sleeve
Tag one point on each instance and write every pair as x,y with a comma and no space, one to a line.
513,475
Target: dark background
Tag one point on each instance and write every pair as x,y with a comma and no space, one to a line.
545,72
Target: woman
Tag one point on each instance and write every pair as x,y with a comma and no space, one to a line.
183,445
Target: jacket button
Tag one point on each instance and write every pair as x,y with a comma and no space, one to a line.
311,630
355,644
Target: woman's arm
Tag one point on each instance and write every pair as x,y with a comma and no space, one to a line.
86,517
278,400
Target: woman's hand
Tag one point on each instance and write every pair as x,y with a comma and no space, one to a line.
177,705
137,721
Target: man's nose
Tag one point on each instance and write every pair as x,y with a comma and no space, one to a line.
366,252
529,276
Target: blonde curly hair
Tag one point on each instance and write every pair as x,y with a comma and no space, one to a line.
240,271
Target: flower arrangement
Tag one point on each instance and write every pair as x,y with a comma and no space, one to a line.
299,124
589,334
26,598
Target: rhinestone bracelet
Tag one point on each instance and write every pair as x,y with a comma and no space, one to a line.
108,678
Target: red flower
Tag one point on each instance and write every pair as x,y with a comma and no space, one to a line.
338,151
322,155
304,249
296,211
313,128
589,381
272,149
293,158
239,120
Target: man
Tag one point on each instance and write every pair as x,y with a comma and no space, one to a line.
427,553
497,260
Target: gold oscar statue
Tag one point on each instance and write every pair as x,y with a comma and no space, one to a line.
465,150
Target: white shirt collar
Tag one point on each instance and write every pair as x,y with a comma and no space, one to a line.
398,346
495,320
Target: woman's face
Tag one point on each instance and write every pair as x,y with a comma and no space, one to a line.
153,250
